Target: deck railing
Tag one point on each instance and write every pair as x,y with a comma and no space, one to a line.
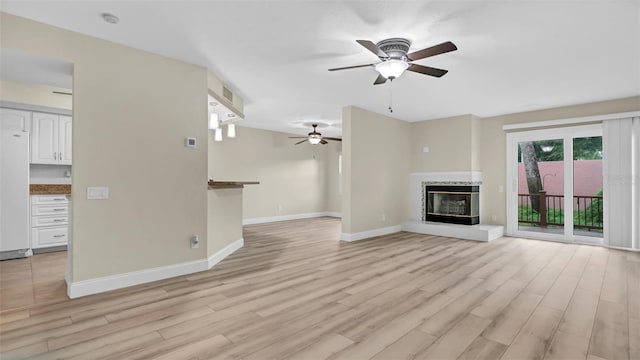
588,213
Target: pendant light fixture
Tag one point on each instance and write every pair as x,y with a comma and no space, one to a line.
231,130
214,121
218,134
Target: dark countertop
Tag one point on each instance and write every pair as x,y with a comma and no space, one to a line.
230,184
49,189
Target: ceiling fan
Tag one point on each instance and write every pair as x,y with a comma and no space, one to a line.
314,137
395,59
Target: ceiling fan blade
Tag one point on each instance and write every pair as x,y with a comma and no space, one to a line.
427,70
445,47
331,138
380,80
323,142
300,142
351,67
373,48
298,137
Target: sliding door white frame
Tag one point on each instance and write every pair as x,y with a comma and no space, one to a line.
567,134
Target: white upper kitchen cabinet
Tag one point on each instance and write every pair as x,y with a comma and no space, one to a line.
64,140
51,139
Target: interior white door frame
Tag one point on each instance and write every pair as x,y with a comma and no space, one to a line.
567,134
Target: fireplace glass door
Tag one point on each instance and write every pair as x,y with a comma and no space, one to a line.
453,204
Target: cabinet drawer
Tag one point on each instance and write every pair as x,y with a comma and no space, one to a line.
49,236
37,210
49,199
37,221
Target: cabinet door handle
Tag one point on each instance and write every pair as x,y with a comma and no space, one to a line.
59,236
58,220
55,155
58,199
60,155
59,209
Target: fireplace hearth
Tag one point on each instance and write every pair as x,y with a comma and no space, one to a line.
454,204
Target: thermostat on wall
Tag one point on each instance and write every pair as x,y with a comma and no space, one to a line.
190,142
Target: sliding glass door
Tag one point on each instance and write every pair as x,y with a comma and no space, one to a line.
555,184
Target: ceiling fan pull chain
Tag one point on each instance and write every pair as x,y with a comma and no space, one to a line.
391,96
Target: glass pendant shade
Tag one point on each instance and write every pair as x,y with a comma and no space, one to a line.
392,69
218,134
231,130
214,121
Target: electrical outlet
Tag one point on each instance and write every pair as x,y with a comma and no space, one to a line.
384,217
494,218
280,207
195,242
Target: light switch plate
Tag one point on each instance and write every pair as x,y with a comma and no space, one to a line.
97,193
425,149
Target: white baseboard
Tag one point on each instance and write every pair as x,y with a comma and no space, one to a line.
224,252
270,219
113,282
370,233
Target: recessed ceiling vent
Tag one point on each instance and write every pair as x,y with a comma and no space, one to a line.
227,93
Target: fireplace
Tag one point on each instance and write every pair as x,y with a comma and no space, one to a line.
455,204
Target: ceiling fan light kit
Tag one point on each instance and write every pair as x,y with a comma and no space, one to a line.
392,69
314,137
395,58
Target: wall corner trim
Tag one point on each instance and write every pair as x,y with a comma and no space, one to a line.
370,233
119,281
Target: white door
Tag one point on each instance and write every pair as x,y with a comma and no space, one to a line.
64,140
555,184
44,139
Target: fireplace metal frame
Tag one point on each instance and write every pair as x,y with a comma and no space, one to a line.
471,192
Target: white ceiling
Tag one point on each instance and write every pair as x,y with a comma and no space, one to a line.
513,56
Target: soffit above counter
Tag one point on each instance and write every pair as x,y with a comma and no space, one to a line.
225,97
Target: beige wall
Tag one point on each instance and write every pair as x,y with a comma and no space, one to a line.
225,218
450,142
34,94
132,111
294,179
333,198
376,164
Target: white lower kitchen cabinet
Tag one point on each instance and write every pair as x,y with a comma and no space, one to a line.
49,236
49,221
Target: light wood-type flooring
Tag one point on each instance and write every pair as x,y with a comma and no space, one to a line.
296,292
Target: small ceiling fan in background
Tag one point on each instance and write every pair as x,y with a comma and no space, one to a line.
394,57
314,137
